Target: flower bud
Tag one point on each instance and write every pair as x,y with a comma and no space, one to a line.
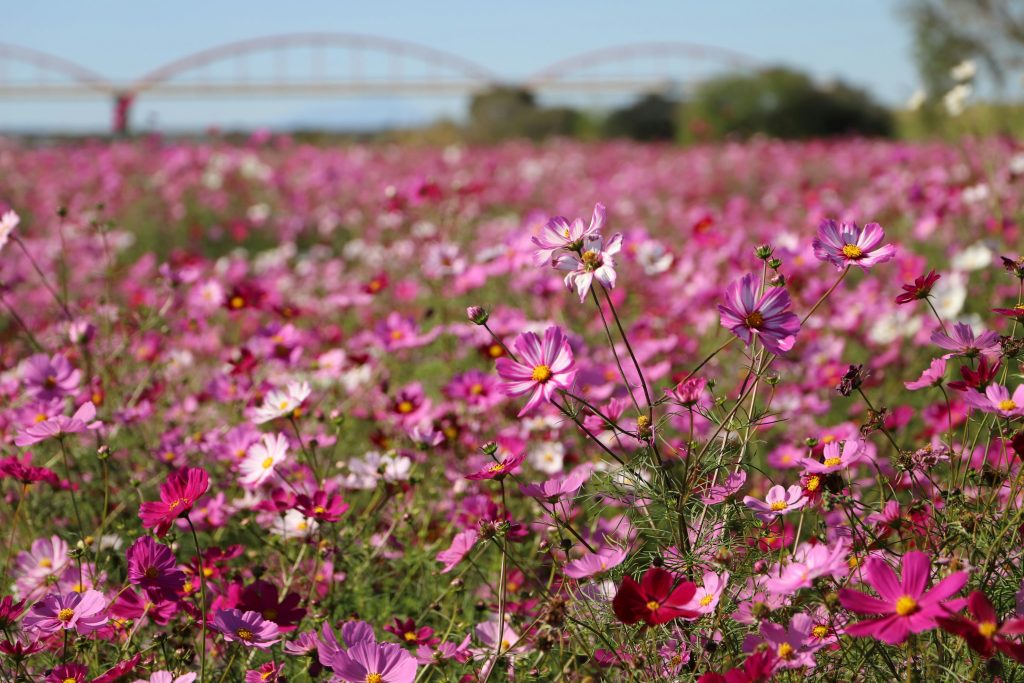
477,315
763,251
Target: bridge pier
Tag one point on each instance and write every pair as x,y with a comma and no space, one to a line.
122,112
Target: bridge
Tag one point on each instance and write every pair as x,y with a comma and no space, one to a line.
351,65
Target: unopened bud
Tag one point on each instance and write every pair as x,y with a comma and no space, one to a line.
763,251
477,315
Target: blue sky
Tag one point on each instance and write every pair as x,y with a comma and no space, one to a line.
862,42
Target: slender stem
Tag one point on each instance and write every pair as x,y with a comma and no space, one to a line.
629,347
42,276
824,296
202,598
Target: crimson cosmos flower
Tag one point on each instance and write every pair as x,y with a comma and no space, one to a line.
658,598
177,496
920,289
985,633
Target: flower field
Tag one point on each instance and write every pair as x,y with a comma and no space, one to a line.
746,412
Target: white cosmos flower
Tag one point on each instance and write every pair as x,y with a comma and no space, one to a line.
955,100
916,100
8,222
891,326
964,71
262,458
365,472
975,257
548,457
294,525
949,295
280,403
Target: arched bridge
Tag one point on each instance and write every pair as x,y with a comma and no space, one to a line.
342,64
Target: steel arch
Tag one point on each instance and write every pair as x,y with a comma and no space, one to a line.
75,72
218,53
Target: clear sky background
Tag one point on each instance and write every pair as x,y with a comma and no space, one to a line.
863,42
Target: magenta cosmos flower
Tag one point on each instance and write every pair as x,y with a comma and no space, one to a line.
542,368
82,612
846,244
903,607
779,501
767,317
932,377
997,399
177,496
963,341
49,377
594,261
837,457
559,234
59,425
369,662
248,628
499,469
152,567
460,547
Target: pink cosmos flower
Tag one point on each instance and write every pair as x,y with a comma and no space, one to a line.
837,457
558,234
475,388
716,494
177,496
261,460
542,368
499,469
398,332
689,392
460,547
153,567
963,341
997,399
767,317
932,377
592,564
595,261
705,600
779,501
793,647
557,488
49,377
846,245
904,607
83,419
248,628
82,612
168,677
810,561
374,663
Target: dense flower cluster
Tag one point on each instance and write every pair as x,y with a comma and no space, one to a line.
275,412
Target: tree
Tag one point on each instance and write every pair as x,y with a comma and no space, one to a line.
782,103
948,31
653,117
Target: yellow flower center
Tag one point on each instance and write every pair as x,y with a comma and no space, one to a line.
151,573
495,351
69,680
476,389
267,463
410,636
244,634
283,405
828,438
405,407
65,615
1007,405
188,587
820,631
397,334
496,467
785,651
906,605
41,417
652,605
591,259
754,319
833,462
987,628
319,509
813,483
237,302
176,503
706,600
46,563
541,373
779,505
852,251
